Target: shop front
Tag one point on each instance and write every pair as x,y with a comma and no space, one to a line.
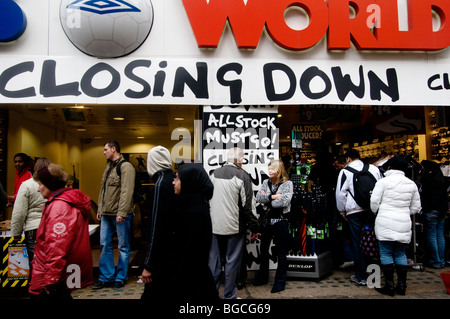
300,79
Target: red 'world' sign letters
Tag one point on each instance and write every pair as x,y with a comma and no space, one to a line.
247,21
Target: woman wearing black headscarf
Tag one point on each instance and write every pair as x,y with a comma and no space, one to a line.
194,234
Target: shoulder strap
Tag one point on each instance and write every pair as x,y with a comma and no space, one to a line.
118,171
351,169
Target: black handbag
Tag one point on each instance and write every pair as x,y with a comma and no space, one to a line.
263,216
369,242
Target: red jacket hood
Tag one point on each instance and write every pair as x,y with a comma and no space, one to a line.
73,197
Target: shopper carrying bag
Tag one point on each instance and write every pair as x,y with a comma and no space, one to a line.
394,198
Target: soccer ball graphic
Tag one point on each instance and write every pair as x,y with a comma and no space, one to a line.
106,28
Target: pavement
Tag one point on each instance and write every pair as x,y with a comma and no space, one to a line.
422,284
329,294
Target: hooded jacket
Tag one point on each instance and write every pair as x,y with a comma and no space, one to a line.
395,197
158,158
161,222
193,235
62,254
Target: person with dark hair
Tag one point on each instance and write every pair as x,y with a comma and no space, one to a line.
394,198
27,212
115,211
62,239
435,206
22,163
352,212
193,235
343,253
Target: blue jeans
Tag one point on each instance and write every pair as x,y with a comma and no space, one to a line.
356,221
227,249
434,232
393,252
107,271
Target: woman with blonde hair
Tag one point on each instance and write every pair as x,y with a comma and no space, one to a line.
275,195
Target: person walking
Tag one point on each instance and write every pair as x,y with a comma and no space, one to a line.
343,254
434,205
193,235
275,195
232,212
115,212
161,254
27,211
352,212
394,198
62,240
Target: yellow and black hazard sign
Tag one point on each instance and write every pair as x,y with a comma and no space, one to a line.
15,268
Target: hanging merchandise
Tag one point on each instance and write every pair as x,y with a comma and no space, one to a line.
308,221
300,169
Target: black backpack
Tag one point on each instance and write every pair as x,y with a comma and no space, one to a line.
363,184
138,193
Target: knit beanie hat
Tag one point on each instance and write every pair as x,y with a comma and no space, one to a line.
158,158
398,163
52,182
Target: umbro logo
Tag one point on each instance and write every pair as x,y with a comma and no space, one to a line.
103,6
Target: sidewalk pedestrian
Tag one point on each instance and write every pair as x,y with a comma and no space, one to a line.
115,212
23,164
161,255
232,212
62,239
435,205
193,235
27,211
352,212
394,198
275,195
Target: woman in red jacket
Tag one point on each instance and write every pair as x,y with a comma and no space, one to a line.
62,257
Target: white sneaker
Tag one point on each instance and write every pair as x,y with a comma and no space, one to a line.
346,264
357,281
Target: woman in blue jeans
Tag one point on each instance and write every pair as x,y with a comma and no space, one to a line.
394,198
435,206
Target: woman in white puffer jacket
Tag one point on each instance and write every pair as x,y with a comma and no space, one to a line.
394,198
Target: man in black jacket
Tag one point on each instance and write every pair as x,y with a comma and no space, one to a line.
435,205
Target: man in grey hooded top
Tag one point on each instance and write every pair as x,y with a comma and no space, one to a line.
160,256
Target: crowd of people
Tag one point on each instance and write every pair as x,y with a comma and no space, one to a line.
198,223
393,199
